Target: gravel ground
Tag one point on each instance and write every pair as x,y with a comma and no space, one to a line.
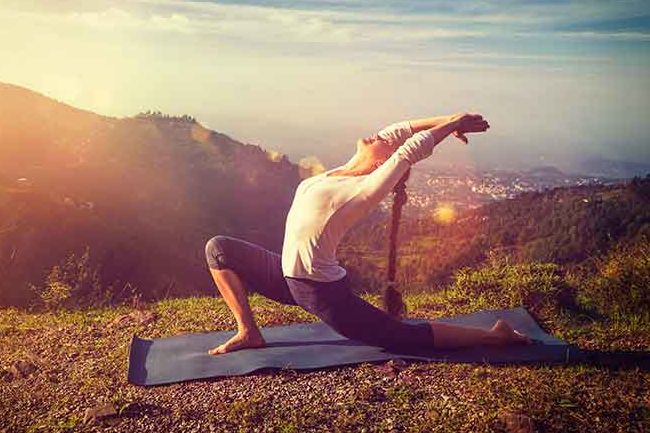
66,371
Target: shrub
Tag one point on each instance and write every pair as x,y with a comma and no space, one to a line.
503,284
55,295
620,283
72,283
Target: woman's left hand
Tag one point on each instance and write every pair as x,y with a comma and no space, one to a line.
460,136
469,123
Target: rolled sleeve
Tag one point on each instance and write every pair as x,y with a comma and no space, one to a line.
396,133
417,147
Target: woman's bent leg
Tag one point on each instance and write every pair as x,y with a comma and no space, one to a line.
239,267
259,269
234,294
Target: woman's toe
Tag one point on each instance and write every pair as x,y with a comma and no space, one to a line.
522,337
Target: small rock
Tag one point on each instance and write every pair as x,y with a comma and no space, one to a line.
408,377
372,394
22,369
392,368
112,421
141,317
517,423
6,375
52,378
34,358
100,412
119,320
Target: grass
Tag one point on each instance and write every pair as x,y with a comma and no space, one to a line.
81,360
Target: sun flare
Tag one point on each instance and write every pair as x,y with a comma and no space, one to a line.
444,213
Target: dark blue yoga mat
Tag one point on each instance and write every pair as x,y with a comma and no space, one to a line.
315,345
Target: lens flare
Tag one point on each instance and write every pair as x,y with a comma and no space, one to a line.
445,213
310,166
274,155
200,134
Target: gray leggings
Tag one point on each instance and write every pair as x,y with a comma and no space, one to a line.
333,302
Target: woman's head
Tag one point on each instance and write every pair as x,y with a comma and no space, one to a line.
373,151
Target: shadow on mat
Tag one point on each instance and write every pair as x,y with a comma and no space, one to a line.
618,360
313,343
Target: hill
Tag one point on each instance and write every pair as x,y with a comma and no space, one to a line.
144,194
564,225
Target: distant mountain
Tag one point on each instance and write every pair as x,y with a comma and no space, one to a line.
144,193
546,171
611,168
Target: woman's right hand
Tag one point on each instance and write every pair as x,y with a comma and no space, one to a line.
466,123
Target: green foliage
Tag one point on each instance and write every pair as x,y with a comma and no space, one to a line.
620,285
56,293
73,283
503,284
248,413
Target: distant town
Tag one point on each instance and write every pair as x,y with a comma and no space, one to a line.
463,188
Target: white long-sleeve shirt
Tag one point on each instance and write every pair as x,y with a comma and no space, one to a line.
325,207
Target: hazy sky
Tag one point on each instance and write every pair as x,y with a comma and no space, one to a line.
556,79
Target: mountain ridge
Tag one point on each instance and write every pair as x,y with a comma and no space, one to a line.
144,193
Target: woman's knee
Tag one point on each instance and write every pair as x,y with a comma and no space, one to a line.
216,252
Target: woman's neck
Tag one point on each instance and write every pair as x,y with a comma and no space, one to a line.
344,172
351,170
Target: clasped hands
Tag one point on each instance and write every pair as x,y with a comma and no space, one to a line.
468,123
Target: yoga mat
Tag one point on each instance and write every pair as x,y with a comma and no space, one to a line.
309,346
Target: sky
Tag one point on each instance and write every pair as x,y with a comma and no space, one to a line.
558,81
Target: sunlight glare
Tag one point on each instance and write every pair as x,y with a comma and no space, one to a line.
310,166
444,213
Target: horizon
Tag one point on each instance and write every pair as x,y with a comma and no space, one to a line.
559,82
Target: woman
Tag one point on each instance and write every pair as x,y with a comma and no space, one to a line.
307,273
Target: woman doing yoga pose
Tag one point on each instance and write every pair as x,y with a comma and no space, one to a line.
307,273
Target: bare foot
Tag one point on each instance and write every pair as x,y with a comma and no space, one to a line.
241,340
508,334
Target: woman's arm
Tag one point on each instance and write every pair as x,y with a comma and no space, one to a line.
431,122
382,180
399,132
418,125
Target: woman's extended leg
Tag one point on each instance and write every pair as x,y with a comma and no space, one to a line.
451,336
239,267
354,318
